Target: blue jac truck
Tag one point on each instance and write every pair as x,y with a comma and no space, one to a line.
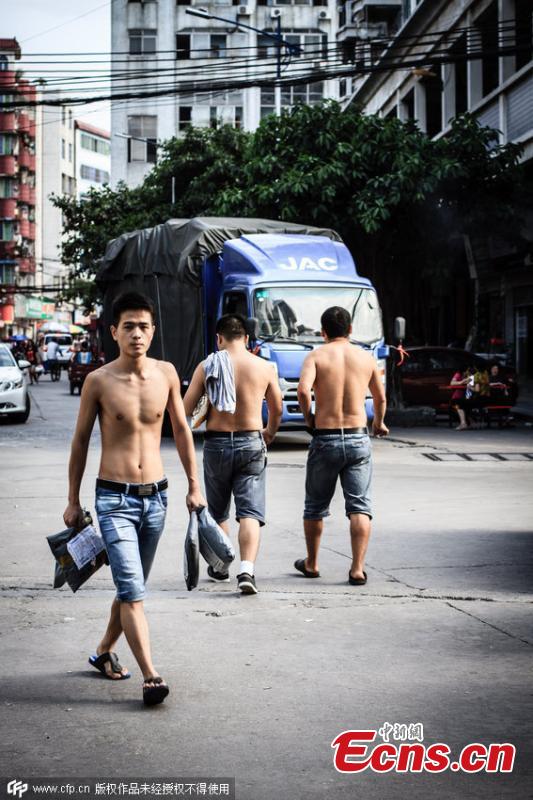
281,275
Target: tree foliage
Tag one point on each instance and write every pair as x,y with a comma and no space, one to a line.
401,201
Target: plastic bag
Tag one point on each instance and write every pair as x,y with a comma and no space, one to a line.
215,546
66,570
191,559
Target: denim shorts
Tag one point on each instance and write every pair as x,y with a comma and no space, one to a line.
131,527
347,456
235,464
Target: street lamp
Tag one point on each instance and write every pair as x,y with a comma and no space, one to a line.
278,39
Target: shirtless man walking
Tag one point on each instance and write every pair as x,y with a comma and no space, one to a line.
235,444
339,373
129,396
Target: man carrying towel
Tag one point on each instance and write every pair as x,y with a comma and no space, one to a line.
235,442
340,374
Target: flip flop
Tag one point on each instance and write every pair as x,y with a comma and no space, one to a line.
152,695
357,581
300,566
98,663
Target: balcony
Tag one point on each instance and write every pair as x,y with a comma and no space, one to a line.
8,207
24,228
26,160
26,265
8,164
24,122
7,250
32,231
31,130
7,79
8,122
26,194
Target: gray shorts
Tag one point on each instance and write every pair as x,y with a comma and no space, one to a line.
348,456
235,464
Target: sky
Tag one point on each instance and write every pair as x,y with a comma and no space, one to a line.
50,26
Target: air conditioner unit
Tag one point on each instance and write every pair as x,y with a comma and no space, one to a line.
324,15
243,11
275,13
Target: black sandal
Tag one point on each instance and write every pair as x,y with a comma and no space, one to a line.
156,693
300,566
98,662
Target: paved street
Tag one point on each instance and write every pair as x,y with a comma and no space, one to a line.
442,634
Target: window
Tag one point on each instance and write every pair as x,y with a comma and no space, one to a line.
70,118
433,89
524,32
238,117
63,145
185,117
213,117
68,184
70,152
235,303
408,105
6,231
461,77
63,115
204,45
7,275
94,144
142,42
8,145
312,45
143,141
291,96
94,174
487,25
8,188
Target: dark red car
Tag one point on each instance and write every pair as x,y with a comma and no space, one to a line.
427,372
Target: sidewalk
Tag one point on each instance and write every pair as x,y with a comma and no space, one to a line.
524,408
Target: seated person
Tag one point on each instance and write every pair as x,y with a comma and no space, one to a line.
84,356
499,391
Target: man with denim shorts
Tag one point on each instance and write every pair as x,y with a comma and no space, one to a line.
339,373
235,444
129,395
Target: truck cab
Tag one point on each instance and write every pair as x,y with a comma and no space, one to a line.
285,282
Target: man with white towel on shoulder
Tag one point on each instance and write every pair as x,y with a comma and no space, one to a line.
236,383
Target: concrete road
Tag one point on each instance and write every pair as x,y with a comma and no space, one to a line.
441,635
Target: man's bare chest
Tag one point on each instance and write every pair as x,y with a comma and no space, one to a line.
132,405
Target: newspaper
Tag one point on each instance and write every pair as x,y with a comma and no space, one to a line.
85,546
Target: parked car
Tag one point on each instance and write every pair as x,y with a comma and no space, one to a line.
14,397
427,371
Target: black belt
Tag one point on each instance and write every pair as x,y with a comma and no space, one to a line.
135,489
337,431
233,434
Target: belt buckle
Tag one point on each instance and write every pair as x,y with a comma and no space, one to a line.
146,489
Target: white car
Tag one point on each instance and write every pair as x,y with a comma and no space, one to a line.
14,397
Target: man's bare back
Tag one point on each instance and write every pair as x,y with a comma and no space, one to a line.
340,374
131,409
343,374
253,377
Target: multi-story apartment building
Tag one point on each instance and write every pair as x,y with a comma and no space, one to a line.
17,188
57,175
156,44
92,157
496,87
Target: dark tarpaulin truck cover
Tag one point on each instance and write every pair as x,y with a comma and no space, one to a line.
165,263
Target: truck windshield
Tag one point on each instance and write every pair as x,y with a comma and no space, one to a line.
293,312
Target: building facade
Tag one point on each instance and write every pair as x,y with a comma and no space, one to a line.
496,87
155,43
92,157
18,188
